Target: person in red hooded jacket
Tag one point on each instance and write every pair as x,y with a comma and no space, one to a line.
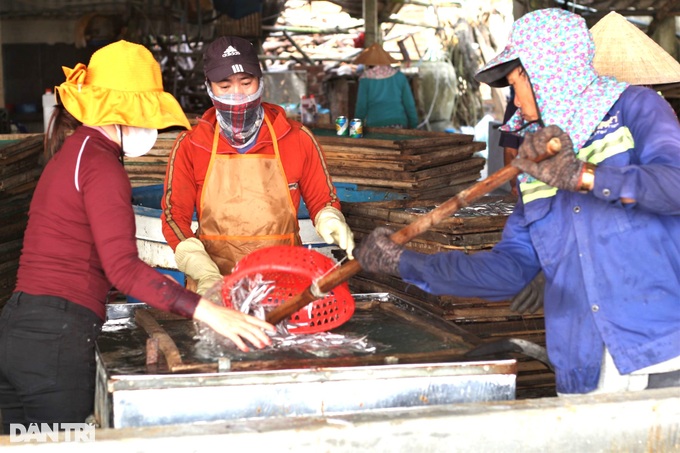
243,169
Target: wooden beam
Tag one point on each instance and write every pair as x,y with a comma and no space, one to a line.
292,41
371,26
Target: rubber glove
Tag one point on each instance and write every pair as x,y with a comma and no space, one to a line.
194,261
530,299
234,325
563,170
332,227
378,253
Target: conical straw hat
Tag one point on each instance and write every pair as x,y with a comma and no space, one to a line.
624,51
374,55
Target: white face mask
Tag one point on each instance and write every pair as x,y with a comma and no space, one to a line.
137,141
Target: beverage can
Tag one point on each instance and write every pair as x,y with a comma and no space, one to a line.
356,128
341,125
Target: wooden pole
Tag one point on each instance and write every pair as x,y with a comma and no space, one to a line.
372,32
443,211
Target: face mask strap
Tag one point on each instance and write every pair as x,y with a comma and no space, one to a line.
527,124
121,157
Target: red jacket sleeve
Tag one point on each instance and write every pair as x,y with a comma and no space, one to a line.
180,192
316,184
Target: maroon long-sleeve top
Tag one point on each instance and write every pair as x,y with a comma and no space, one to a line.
80,239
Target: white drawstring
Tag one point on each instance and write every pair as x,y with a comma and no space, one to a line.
80,154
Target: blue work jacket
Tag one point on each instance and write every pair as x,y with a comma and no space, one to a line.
612,269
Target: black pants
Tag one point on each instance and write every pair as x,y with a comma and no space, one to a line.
47,360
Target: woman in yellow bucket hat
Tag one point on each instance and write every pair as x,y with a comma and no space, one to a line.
80,241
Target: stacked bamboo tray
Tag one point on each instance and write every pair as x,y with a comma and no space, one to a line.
20,168
474,228
149,170
417,164
410,163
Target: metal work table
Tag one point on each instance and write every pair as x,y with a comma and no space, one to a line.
419,361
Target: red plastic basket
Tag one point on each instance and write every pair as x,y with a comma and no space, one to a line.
294,269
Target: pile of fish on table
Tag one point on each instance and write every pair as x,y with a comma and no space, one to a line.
249,295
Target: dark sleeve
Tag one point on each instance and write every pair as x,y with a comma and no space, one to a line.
508,139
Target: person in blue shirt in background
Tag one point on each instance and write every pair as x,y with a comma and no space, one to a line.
601,218
384,98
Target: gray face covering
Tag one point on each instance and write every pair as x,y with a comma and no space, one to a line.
240,116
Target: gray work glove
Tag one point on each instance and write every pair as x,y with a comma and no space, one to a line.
378,253
530,299
563,170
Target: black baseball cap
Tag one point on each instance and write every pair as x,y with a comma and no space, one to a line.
497,75
230,55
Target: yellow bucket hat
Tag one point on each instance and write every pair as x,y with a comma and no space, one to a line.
121,85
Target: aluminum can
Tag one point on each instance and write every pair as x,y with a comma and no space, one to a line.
341,125
356,128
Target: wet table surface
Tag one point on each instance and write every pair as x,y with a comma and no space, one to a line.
388,326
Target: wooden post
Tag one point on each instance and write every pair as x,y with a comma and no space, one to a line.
665,35
371,26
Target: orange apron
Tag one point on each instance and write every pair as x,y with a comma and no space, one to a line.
245,205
